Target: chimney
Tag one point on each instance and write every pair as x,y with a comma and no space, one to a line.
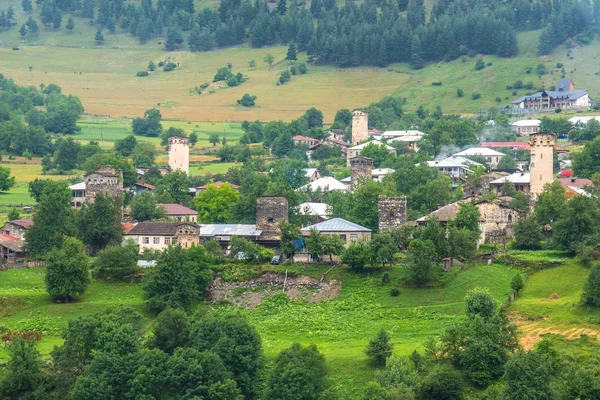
573,180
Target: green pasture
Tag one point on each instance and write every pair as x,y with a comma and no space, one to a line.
341,328
213,168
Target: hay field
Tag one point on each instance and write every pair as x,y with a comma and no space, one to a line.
104,79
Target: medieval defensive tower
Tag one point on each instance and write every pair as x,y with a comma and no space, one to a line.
106,180
179,154
270,211
360,126
392,212
362,169
541,164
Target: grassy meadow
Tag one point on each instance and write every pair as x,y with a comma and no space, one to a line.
341,328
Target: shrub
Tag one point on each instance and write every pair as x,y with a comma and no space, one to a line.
142,73
460,93
436,83
223,74
394,292
540,69
385,278
169,66
285,77
479,64
517,283
161,64
294,70
591,288
302,69
498,99
475,96
247,100
558,110
379,347
204,85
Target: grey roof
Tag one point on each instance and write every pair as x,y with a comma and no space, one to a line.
229,230
553,94
563,84
337,225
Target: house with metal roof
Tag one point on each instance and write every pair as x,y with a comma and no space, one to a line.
492,157
349,231
177,212
526,127
565,96
520,180
325,184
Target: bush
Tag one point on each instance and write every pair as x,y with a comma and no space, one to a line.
460,93
302,69
394,292
285,77
204,85
223,74
436,83
161,64
591,288
116,263
479,64
169,67
558,110
475,96
379,347
498,99
247,100
358,256
517,283
385,278
540,69
294,70
443,382
142,73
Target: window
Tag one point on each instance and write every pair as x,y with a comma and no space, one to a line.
156,240
353,237
167,240
270,219
145,240
510,218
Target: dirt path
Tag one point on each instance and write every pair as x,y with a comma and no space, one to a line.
250,293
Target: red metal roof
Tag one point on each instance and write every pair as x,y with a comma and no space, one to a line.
25,223
177,209
567,173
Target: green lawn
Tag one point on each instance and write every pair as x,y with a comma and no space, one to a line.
213,168
341,328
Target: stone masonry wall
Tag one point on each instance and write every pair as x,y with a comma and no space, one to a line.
392,212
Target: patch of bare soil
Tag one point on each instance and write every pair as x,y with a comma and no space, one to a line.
250,293
531,332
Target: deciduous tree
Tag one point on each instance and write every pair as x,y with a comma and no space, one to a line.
67,272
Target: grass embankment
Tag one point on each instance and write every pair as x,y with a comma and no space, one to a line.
341,328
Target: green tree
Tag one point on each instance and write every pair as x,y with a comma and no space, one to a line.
149,125
479,302
27,5
23,30
380,347
374,391
171,330
52,221
144,208
416,53
384,248
314,118
528,235
300,373
236,342
247,100
591,288
125,146
99,223
169,133
214,204
292,53
358,256
587,161
174,38
67,154
171,283
462,243
67,272
193,139
314,244
213,138
23,378
116,262
333,245
517,283
507,162
70,24
269,59
173,188
579,221
527,376
143,155
13,214
251,64
289,234
151,66
550,203
99,37
421,258
281,7
442,383
284,77
467,218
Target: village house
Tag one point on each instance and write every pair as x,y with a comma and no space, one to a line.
565,96
520,181
456,167
520,145
492,157
11,249
141,187
159,235
177,212
377,174
349,231
336,134
300,140
17,227
355,151
526,127
324,184
312,174
582,121
106,180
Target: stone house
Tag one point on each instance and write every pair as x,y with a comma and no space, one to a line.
11,249
349,231
17,227
153,235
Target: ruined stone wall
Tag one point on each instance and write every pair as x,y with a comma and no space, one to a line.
392,212
179,154
188,235
270,211
362,169
104,180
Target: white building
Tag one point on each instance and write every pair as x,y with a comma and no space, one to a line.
583,120
355,151
325,184
492,157
526,127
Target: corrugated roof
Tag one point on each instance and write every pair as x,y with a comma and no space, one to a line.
375,142
336,225
576,182
11,242
177,209
229,230
78,186
517,177
479,151
145,185
325,183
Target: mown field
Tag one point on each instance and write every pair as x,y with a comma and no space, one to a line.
341,328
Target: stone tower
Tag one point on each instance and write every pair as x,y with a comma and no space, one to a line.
392,212
106,180
540,168
360,126
270,211
188,235
179,154
362,169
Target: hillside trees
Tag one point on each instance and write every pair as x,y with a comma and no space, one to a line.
24,377
67,273
99,223
144,208
214,205
149,125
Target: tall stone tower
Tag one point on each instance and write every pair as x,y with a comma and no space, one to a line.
360,126
106,180
362,169
270,211
179,154
540,168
